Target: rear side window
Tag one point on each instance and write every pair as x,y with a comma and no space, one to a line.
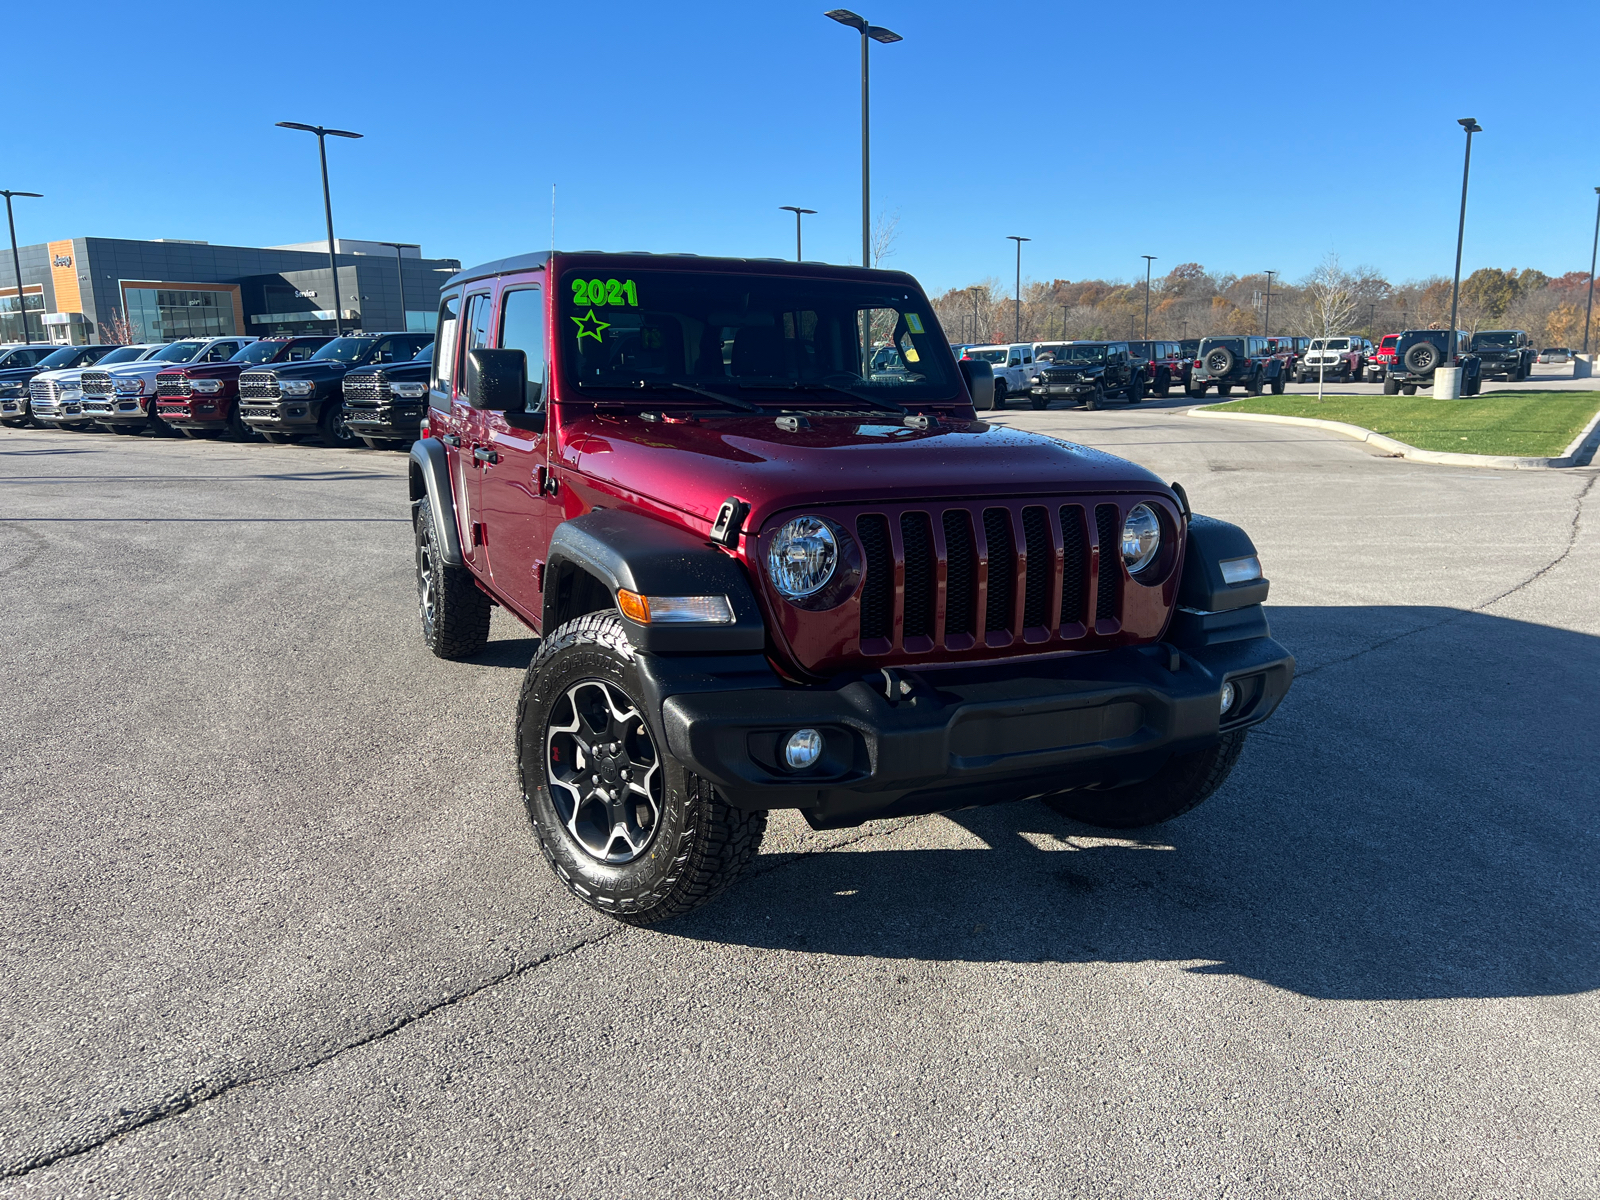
522,328
444,352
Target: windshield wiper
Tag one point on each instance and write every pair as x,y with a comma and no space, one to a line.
658,386
885,405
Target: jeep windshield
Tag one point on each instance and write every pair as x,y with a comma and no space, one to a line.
1080,354
1482,341
671,331
1330,343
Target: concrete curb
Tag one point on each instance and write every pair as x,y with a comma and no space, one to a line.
1574,455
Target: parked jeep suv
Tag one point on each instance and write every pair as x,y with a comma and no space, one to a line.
1164,365
1420,352
123,398
18,371
1382,358
1089,372
765,579
383,405
1341,359
201,399
294,400
1506,353
1226,361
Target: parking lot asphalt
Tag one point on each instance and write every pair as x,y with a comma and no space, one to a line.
271,920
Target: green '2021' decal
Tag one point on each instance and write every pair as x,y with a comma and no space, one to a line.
604,292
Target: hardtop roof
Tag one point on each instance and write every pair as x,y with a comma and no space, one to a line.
541,258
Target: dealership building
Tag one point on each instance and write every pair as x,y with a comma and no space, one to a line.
84,290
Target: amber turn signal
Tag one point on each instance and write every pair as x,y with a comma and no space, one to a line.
674,610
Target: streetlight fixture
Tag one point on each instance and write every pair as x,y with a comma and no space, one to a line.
798,213
1587,308
1148,259
1470,124
327,206
16,261
1016,335
401,275
1266,320
876,33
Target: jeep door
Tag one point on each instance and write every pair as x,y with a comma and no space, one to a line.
450,419
518,503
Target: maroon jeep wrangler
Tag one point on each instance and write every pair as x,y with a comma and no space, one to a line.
769,576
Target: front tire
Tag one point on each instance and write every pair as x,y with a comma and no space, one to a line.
999,393
1178,787
454,613
1040,403
334,431
626,827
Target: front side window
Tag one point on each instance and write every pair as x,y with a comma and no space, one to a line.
654,329
444,351
220,352
522,328
258,352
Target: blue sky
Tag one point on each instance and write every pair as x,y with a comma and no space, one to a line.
1214,133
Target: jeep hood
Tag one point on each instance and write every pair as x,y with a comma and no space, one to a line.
694,467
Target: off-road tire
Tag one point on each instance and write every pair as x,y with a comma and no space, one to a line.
1279,382
16,422
1422,358
1094,399
699,845
1391,387
1195,393
1040,403
1409,389
456,625
1473,386
1219,360
1252,386
999,393
1181,785
1136,391
1224,388
1163,386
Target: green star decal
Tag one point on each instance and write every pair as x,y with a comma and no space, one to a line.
590,325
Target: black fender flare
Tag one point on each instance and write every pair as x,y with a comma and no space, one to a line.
653,558
1210,609
430,485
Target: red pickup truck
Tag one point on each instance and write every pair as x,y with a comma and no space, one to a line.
767,576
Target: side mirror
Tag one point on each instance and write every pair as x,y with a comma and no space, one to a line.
980,382
497,380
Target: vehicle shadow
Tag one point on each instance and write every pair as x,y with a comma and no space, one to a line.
515,652
1417,821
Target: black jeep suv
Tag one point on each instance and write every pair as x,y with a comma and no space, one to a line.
1089,371
1504,352
1420,352
1237,359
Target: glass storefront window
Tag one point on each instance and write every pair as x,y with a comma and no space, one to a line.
11,319
163,314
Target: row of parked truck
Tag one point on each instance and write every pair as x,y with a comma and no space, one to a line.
370,387
1092,371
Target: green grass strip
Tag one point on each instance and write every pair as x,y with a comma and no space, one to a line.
1527,424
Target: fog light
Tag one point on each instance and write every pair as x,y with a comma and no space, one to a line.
1227,697
803,749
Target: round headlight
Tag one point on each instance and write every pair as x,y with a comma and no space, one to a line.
1141,538
802,557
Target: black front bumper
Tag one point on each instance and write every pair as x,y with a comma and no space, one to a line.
384,422
958,737
288,415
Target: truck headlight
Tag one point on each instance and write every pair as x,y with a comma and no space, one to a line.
1141,538
802,557
297,387
206,387
128,387
408,391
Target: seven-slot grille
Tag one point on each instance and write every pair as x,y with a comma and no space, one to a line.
366,389
976,576
96,383
258,385
173,387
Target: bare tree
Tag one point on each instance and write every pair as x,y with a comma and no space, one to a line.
1331,296
885,233
118,331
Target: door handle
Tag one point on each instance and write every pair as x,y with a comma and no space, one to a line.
450,439
485,455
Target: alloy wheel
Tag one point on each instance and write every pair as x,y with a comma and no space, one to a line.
604,774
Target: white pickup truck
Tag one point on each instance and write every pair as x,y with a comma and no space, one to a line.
1013,367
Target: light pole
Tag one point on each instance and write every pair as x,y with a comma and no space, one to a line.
1016,335
1587,308
1470,124
1148,259
400,272
798,213
1266,320
327,205
16,263
876,33
973,292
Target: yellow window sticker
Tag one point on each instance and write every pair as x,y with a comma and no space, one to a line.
914,322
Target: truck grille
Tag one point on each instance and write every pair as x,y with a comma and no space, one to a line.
44,391
366,389
972,580
173,387
96,383
258,385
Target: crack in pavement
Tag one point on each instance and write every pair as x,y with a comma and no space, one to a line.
203,1091
1572,541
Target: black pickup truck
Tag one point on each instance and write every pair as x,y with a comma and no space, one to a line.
1505,352
291,400
383,404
